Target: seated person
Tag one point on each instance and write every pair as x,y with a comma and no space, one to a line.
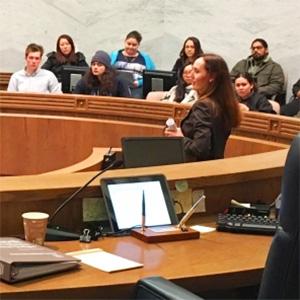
293,107
267,74
183,91
132,60
191,50
206,128
248,96
32,78
64,55
101,79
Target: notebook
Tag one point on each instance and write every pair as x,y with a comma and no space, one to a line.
123,198
152,151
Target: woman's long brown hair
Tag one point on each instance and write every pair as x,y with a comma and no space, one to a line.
71,58
220,90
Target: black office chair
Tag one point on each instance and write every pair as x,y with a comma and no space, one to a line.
156,287
281,275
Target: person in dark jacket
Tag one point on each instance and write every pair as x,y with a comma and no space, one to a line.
292,108
101,79
65,55
190,51
207,126
267,74
249,98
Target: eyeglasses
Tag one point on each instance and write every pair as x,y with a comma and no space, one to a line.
257,47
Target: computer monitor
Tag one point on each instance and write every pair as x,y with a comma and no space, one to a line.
152,151
124,197
157,80
70,76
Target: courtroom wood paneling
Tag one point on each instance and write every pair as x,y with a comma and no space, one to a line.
269,127
32,144
109,108
75,142
47,143
239,145
254,124
4,79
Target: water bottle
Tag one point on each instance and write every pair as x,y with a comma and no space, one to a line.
171,125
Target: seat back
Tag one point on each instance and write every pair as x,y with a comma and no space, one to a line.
156,95
281,275
157,287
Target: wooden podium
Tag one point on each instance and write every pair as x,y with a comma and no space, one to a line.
152,235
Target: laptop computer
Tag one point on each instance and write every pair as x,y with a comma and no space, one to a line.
152,151
125,197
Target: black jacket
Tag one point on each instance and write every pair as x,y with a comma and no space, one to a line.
258,102
56,67
269,75
204,133
120,89
296,88
292,108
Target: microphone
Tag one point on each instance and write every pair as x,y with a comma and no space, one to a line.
55,233
189,213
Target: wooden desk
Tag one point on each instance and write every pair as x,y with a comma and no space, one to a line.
222,180
56,131
215,261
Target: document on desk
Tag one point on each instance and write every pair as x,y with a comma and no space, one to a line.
105,261
203,229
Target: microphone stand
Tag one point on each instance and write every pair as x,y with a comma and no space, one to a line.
56,233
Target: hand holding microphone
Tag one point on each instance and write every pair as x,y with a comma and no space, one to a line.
171,125
172,129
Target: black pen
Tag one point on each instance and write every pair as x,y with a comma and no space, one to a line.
143,211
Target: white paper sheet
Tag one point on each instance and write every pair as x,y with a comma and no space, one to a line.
105,261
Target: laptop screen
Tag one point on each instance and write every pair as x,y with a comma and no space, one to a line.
124,197
152,151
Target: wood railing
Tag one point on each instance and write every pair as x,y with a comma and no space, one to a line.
108,108
4,79
268,127
259,125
